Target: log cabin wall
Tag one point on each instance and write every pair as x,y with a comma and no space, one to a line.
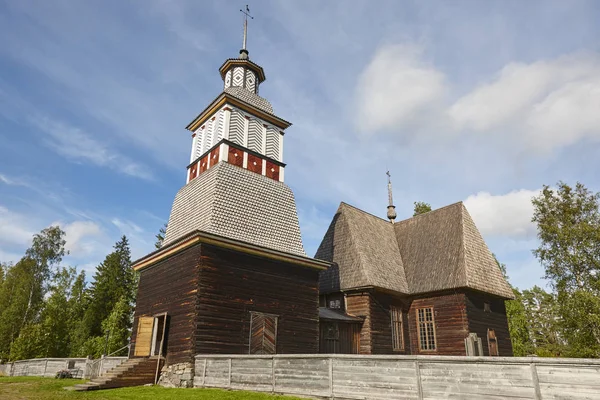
233,284
171,286
450,320
481,320
359,305
381,325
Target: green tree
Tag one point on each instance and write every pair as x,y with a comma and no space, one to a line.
114,279
542,311
26,283
117,326
160,236
78,303
568,225
519,324
421,208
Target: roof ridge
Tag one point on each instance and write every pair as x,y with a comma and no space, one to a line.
364,212
432,211
463,254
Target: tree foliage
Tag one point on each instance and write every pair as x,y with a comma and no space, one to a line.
421,208
160,236
567,322
47,310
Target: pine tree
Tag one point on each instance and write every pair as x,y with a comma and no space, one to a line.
78,303
421,208
114,279
160,236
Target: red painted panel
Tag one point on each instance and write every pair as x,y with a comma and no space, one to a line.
272,170
214,156
255,164
203,164
193,171
235,157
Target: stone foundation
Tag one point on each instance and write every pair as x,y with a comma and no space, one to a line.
177,376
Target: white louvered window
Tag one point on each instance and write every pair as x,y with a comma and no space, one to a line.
426,325
397,336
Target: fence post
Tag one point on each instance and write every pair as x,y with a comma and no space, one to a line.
331,377
418,374
273,372
536,382
101,365
45,367
229,383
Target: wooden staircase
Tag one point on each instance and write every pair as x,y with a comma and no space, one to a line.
133,372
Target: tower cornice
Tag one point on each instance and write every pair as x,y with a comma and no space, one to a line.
240,62
226,98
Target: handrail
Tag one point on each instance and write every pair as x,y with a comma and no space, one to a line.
108,355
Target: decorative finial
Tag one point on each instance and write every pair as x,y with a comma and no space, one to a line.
391,212
244,51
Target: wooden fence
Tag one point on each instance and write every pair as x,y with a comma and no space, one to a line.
403,377
48,367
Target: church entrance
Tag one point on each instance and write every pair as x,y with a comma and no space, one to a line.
152,335
159,335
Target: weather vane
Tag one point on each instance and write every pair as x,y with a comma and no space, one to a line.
246,15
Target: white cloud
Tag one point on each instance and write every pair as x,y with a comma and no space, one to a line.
126,227
395,87
503,215
77,236
75,144
14,228
546,104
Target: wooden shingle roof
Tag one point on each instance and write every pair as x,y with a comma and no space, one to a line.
439,250
238,204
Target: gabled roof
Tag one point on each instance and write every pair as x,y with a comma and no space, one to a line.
365,249
237,204
438,250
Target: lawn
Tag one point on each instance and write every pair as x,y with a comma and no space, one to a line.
33,388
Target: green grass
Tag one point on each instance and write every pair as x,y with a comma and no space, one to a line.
34,388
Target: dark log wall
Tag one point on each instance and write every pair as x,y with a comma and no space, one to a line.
480,321
347,341
233,284
171,286
451,325
358,304
381,324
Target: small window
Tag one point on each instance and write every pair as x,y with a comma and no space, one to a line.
486,307
71,364
397,336
426,327
492,343
335,304
263,333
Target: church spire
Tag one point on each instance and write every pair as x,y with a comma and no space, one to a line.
244,51
391,210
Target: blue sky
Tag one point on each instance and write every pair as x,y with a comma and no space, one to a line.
465,100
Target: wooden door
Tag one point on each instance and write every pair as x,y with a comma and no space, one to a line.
263,333
492,342
143,339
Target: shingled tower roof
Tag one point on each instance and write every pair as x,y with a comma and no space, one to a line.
438,250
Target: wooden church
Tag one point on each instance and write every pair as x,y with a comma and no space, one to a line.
232,276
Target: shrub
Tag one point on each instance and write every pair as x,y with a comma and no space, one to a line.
64,373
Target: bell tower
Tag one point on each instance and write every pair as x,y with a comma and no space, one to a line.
239,127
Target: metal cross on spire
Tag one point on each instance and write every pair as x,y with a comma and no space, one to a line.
246,15
391,213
